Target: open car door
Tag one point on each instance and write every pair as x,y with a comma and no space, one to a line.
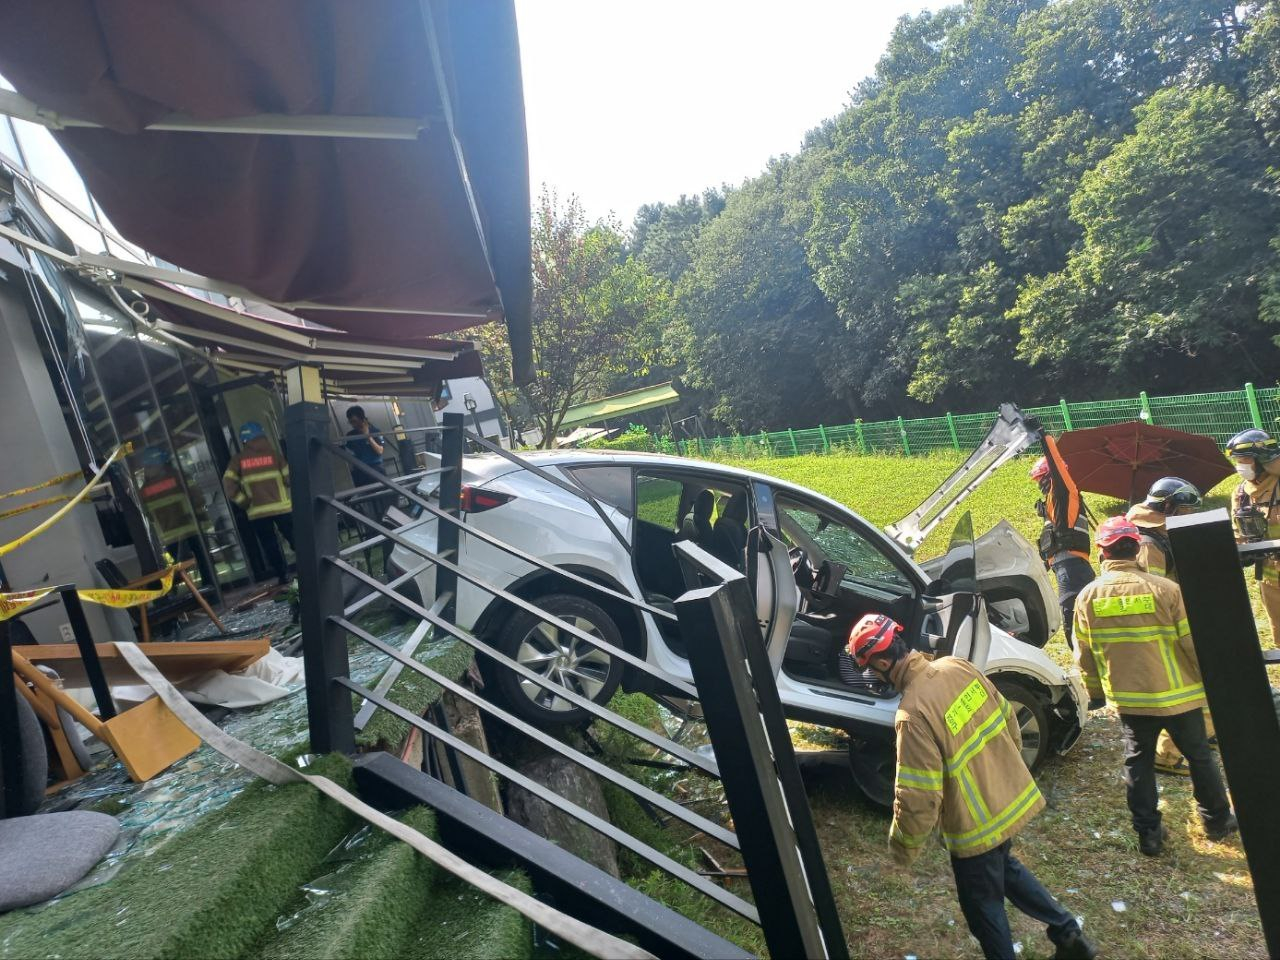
960,605
774,584
1012,433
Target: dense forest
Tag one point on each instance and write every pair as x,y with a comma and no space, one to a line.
1027,199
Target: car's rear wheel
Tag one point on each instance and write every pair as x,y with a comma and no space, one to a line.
559,656
874,766
1031,713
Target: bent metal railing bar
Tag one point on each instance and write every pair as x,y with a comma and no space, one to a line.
657,740
518,601
401,480
491,540
357,605
636,789
373,541
552,479
600,825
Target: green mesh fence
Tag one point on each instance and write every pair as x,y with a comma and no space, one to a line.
1216,415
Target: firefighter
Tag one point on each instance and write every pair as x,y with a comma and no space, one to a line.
176,516
1064,538
1168,497
257,481
1255,509
960,762
1134,649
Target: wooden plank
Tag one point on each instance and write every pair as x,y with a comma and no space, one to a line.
178,661
149,738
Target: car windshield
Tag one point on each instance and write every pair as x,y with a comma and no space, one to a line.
824,537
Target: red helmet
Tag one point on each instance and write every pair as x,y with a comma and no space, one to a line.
871,635
1116,528
1041,470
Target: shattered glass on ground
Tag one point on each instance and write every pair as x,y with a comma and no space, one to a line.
151,812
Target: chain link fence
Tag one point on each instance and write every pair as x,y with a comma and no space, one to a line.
1217,415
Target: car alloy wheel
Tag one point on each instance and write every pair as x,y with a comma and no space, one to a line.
568,660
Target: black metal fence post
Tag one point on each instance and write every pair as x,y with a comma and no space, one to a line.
757,762
10,735
451,444
88,652
1239,694
315,532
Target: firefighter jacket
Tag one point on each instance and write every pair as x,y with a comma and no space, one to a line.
1265,495
1066,521
257,480
167,502
1133,642
959,761
1155,554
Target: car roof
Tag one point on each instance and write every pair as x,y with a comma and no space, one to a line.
579,457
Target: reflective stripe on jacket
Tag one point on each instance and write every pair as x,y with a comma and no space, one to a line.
1133,642
257,480
1264,495
959,761
1152,553
167,502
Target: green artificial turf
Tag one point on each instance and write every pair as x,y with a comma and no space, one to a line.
414,692
462,924
207,892
370,905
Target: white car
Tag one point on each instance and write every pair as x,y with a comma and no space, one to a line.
815,566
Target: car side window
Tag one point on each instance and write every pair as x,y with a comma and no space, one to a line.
827,538
658,501
610,484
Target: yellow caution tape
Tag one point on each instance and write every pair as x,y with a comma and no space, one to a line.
46,524
11,604
52,482
123,599
37,504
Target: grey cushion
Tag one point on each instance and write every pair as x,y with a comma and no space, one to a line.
35,763
42,856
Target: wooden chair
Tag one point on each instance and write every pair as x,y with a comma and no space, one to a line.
163,609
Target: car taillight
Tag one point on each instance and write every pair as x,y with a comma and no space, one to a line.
475,500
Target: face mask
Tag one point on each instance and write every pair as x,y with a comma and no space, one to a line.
1246,470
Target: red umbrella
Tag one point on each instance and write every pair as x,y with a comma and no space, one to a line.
1122,460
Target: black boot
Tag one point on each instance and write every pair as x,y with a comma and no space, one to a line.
1151,842
1076,947
1220,831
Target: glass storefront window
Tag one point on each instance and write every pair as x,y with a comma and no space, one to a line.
9,143
47,162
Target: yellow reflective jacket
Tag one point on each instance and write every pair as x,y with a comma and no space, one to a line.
1133,643
959,761
1265,495
166,501
257,480
1152,554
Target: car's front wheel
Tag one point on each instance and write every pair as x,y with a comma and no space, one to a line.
1031,712
557,655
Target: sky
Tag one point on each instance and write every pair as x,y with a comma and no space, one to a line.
635,102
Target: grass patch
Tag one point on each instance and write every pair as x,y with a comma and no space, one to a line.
413,692
466,925
374,901
207,892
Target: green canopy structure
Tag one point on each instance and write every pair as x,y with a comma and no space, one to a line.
620,405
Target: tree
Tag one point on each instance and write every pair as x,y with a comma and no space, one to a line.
596,314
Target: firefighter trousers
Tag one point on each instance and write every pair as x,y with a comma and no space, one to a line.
1187,730
985,882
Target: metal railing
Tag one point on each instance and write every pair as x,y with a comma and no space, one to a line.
325,566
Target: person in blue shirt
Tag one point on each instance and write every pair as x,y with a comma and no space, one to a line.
365,441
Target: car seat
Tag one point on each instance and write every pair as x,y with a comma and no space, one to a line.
697,525
729,536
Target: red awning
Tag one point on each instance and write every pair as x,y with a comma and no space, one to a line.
347,220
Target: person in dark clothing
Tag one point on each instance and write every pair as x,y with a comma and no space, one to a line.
729,536
365,441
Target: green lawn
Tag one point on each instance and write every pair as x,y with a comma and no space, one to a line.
1194,901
